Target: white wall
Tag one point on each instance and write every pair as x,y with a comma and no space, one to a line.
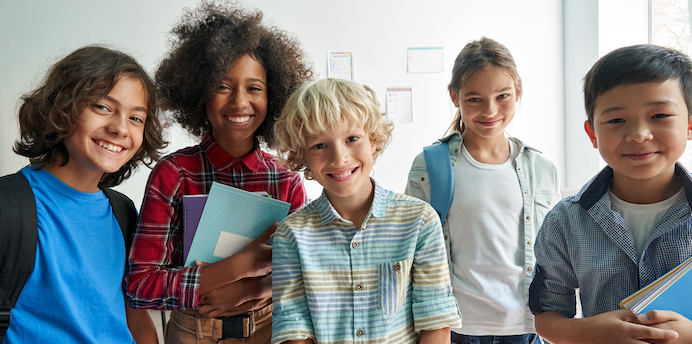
36,33
581,51
592,28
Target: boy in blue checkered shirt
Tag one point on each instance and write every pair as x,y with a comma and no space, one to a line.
632,222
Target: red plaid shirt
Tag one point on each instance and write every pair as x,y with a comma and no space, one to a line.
156,277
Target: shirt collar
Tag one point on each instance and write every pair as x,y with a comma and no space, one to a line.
221,160
598,186
378,208
456,136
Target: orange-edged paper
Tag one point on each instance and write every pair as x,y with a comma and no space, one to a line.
671,292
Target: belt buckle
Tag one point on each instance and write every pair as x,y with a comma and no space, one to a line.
238,326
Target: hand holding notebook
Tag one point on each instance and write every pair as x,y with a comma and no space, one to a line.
231,219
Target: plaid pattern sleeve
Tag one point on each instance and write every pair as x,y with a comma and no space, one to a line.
156,277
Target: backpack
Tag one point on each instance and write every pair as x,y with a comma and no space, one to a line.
19,236
441,177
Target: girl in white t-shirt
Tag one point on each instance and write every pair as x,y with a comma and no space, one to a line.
502,191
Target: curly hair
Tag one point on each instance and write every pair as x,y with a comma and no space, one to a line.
49,114
323,106
208,41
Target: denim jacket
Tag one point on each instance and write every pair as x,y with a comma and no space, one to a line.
538,181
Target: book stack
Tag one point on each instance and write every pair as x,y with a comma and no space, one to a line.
671,292
220,224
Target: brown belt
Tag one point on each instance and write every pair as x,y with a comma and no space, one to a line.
234,326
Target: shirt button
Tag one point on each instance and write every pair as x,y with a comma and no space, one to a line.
519,169
422,179
529,269
397,267
446,238
355,245
456,150
359,287
528,217
525,192
528,242
359,333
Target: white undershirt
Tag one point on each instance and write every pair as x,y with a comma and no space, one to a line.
641,218
486,234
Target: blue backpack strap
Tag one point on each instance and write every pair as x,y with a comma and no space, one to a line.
441,176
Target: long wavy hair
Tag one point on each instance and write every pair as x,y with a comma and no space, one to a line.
50,113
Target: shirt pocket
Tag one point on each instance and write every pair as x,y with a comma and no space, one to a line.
418,183
392,284
544,201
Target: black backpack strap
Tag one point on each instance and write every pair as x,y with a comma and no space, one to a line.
18,238
125,212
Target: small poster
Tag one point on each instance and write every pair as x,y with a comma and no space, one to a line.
399,105
340,65
425,60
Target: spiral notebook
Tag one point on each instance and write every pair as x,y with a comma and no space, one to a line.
192,212
231,219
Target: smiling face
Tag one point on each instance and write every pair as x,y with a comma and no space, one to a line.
487,103
641,130
341,162
108,134
239,106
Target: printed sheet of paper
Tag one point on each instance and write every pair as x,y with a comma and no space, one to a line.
425,60
340,65
229,244
399,104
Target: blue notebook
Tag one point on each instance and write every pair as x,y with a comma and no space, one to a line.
671,292
231,219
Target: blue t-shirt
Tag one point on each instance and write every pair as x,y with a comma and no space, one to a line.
74,294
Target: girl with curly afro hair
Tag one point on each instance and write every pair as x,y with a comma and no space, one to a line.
225,80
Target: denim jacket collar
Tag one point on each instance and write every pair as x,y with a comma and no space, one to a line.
456,140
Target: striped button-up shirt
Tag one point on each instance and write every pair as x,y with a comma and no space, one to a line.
584,244
381,283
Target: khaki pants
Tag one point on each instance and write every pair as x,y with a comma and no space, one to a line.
183,328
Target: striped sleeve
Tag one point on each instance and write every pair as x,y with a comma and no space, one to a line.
434,305
291,316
